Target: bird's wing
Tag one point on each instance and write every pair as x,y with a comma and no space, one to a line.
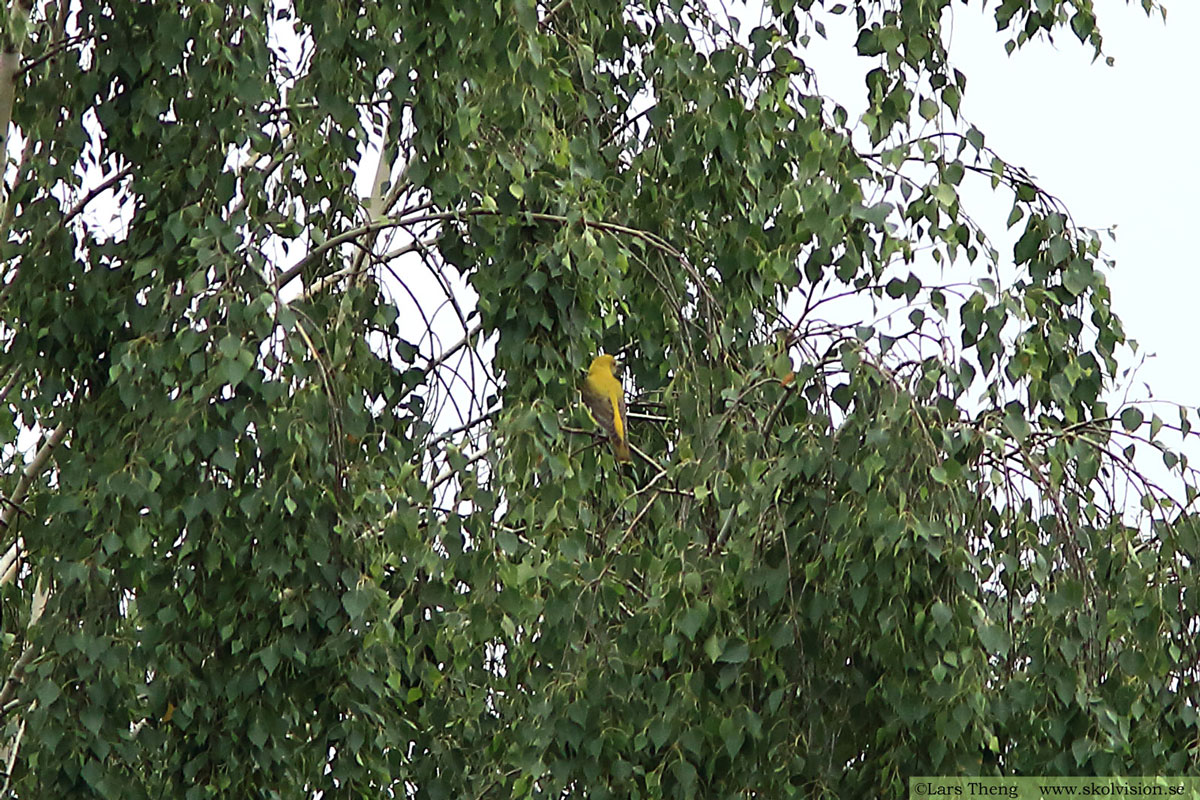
600,406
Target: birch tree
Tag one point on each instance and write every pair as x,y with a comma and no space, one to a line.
299,500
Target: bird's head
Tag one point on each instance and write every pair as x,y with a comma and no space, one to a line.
604,363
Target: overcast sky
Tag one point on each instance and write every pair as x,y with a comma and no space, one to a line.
1113,143
1116,145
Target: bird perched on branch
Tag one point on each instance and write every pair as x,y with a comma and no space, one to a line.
605,399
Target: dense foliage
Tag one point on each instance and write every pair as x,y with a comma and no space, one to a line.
299,498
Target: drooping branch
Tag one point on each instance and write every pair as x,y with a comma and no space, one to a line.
405,221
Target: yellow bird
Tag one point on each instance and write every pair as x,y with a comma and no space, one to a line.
605,398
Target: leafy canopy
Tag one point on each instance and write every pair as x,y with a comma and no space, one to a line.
300,498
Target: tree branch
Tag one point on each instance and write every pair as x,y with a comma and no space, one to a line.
28,475
15,674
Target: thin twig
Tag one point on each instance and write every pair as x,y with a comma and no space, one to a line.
451,471
9,384
460,428
545,21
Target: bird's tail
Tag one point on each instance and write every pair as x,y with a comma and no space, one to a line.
621,450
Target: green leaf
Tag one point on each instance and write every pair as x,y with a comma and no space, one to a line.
1027,246
692,619
1059,249
735,653
995,639
713,648
257,733
733,736
945,194
1078,278
536,281
356,602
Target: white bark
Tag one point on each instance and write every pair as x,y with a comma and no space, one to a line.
11,508
10,65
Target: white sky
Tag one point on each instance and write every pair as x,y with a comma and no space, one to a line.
1113,143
